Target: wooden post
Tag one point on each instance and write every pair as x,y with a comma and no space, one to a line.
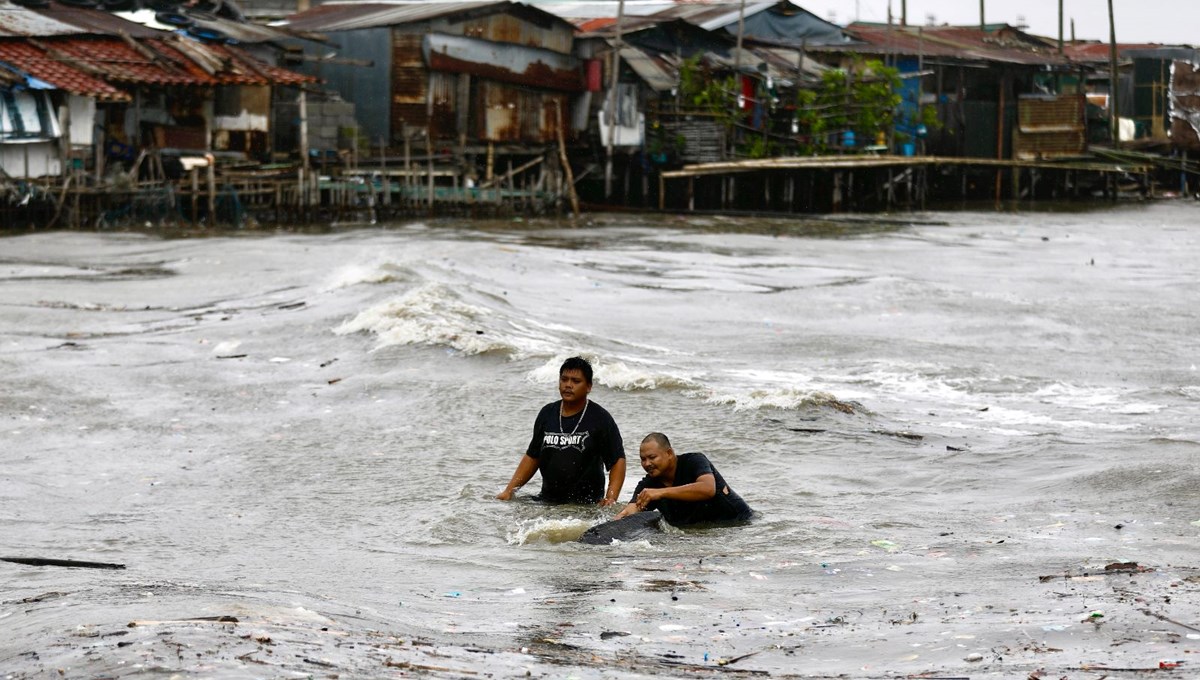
195,177
1000,132
691,193
662,192
429,163
211,176
566,163
491,162
302,108
837,191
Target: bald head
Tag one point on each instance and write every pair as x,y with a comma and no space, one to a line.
658,439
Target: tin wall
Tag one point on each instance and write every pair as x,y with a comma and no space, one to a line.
511,29
410,106
1185,106
510,114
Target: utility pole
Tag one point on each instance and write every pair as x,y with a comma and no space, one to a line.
903,12
1060,26
981,13
737,58
613,80
1114,80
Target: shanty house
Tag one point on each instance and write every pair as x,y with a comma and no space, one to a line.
975,80
1158,92
500,72
91,86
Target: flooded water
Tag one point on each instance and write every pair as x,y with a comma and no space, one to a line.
950,424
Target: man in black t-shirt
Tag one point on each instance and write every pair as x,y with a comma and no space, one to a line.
686,489
574,441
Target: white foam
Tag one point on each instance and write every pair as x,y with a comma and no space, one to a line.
430,314
375,272
784,398
625,375
542,529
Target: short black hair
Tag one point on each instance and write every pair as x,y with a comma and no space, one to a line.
658,438
578,364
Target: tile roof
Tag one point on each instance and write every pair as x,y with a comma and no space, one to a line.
101,66
24,58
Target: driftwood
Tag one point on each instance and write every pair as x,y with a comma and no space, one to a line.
1113,568
44,562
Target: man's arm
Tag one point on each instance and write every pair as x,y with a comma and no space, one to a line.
616,480
521,476
704,488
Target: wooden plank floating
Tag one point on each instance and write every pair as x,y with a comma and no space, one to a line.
49,562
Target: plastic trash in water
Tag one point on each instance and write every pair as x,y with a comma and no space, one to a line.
1170,663
886,545
452,593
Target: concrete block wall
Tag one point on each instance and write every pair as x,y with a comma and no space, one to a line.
329,125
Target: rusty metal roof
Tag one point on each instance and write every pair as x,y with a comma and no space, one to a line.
333,17
1098,53
1005,45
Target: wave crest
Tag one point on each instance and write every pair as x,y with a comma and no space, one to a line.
430,314
542,529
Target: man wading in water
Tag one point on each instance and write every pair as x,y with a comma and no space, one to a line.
687,489
573,441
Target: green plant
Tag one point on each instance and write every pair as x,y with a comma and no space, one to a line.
862,99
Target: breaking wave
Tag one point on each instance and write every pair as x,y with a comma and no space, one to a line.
544,530
380,271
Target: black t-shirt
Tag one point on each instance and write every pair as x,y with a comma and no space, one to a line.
573,455
726,506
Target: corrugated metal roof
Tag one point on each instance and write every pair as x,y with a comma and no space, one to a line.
953,42
241,31
661,71
58,19
1097,53
332,17
18,21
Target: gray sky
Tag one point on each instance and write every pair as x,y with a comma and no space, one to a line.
1161,21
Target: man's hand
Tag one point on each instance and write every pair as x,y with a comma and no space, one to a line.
648,496
605,502
505,495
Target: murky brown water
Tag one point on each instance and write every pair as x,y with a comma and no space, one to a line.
304,433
